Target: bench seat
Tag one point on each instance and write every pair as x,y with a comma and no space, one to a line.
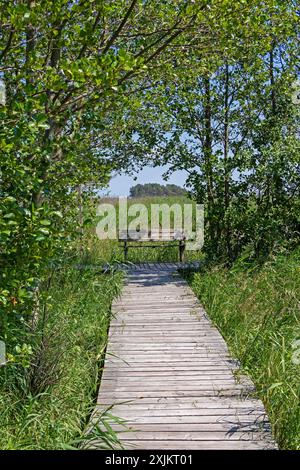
173,236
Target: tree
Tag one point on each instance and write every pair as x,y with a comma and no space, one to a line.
95,86
233,127
155,189
66,66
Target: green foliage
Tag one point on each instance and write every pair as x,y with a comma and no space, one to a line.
46,401
67,65
257,312
231,124
155,189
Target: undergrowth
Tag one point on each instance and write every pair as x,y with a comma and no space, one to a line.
47,403
257,310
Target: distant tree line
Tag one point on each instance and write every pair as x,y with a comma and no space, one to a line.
155,189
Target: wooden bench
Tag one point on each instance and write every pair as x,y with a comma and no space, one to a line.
173,237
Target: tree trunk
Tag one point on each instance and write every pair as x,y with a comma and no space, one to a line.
226,164
208,152
277,179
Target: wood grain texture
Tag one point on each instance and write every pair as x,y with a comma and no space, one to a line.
168,374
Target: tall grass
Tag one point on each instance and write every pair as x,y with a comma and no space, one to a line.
48,404
258,312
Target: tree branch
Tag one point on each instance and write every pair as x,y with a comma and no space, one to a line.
8,44
120,27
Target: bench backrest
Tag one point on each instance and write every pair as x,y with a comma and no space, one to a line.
152,235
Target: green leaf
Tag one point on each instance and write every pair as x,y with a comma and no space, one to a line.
44,231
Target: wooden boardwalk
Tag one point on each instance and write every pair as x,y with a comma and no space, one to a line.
168,372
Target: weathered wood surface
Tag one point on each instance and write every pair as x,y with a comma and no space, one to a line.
169,375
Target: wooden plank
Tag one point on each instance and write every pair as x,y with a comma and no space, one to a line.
163,382
170,380
182,376
159,348
157,296
159,322
200,402
190,333
185,415
148,328
118,349
162,309
127,395
148,362
192,435
185,444
193,353
118,352
183,405
170,385
146,358
234,429
138,350
160,302
167,368
138,339
164,338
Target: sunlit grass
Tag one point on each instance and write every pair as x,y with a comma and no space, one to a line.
258,313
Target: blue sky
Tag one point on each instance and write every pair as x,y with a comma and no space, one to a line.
120,184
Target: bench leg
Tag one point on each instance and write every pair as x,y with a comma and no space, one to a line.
181,250
125,251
